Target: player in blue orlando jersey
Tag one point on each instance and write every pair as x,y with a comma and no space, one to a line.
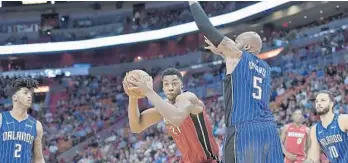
20,134
330,135
252,135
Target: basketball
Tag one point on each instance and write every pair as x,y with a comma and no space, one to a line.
138,75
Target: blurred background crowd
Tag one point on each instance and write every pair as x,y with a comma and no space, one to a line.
85,115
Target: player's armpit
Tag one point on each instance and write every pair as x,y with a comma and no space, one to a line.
192,97
198,104
196,109
38,156
183,108
314,149
343,122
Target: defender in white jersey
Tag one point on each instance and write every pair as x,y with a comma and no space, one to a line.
20,134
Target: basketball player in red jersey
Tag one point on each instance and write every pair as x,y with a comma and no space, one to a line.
295,140
183,114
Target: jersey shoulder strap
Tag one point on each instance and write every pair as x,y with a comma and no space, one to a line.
335,120
32,121
336,117
317,127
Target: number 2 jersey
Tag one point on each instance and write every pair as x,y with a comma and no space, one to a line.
247,91
17,139
333,141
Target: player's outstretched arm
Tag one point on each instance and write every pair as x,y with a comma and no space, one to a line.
313,155
140,121
177,113
218,43
38,156
203,23
193,99
185,103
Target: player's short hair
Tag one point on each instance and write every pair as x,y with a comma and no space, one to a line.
23,83
329,93
172,71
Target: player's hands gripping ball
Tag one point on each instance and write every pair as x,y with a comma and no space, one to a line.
136,83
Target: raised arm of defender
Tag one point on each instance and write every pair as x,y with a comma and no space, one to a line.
203,23
217,43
